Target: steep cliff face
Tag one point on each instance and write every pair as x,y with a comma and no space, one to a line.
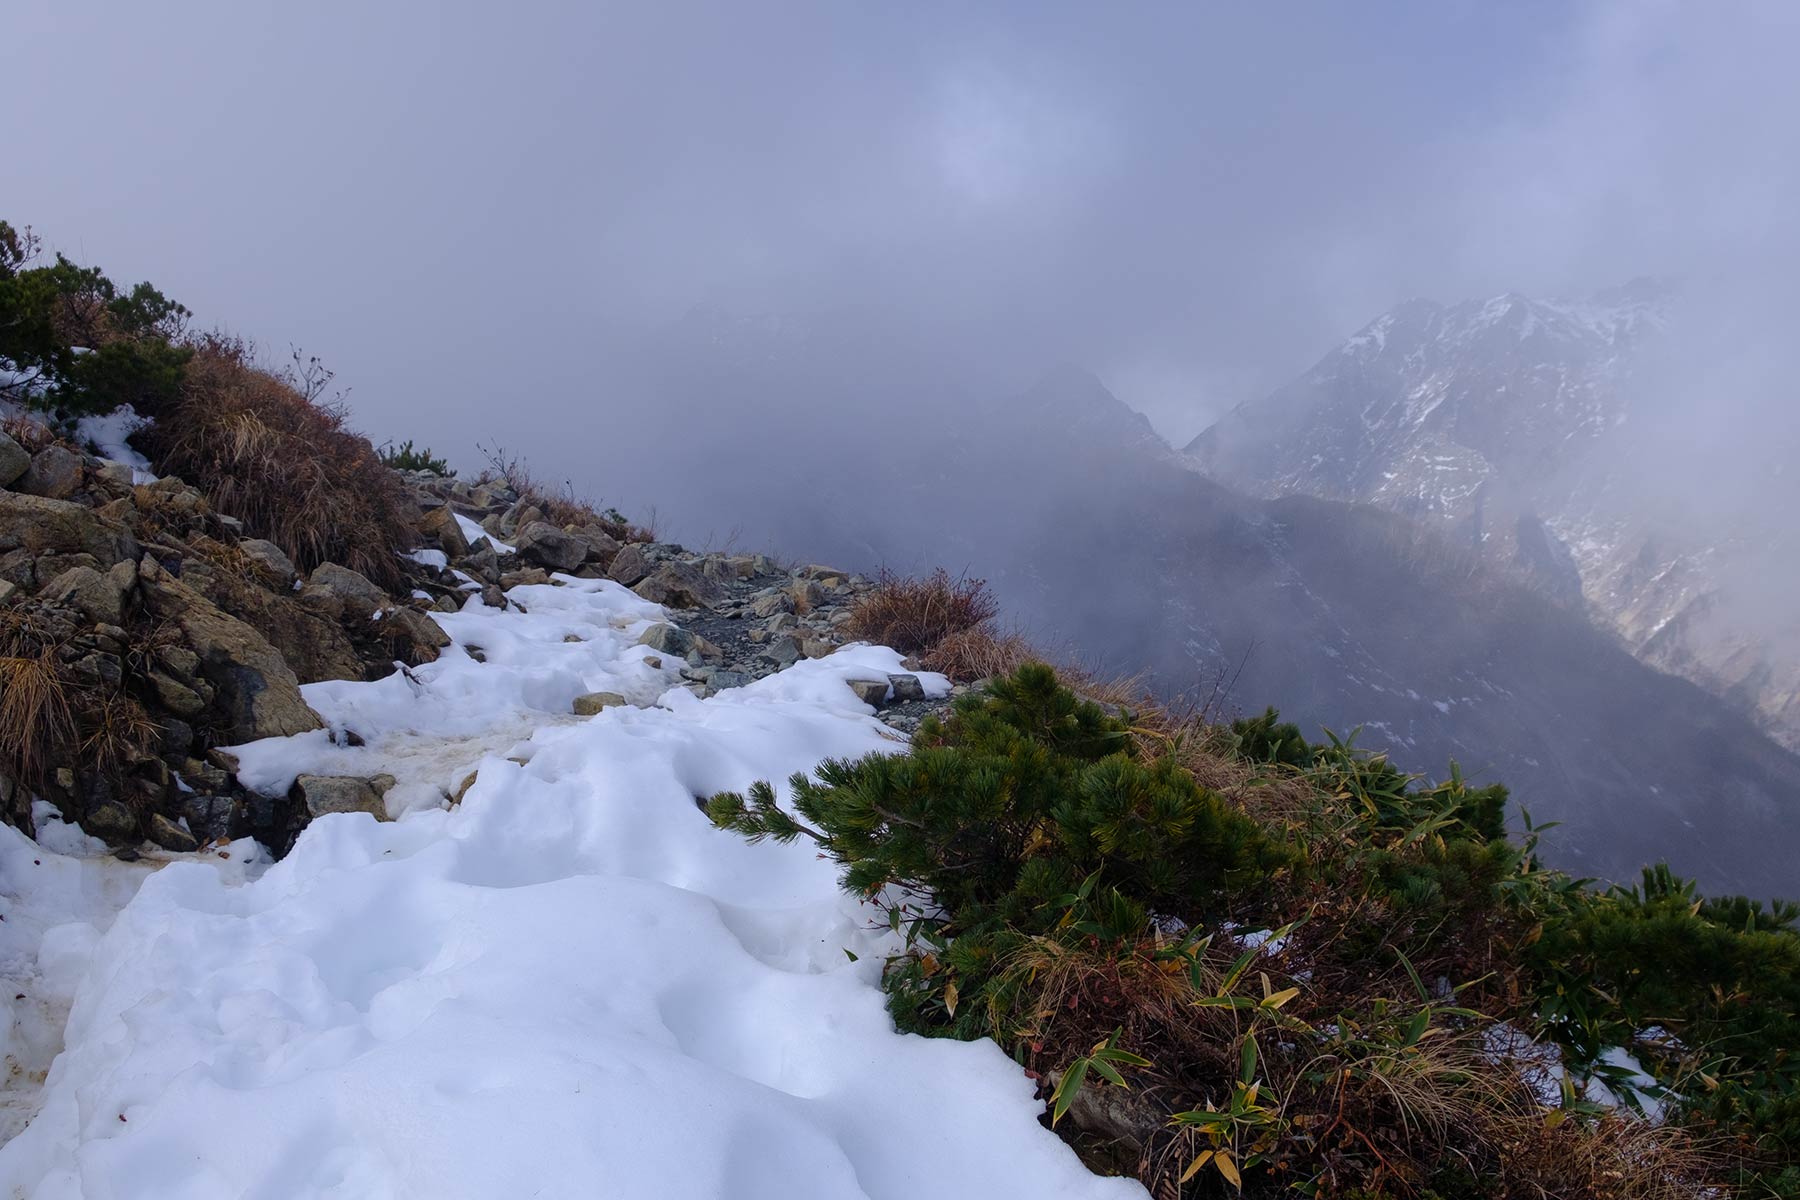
1519,428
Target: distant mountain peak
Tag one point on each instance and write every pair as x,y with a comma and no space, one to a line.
1075,398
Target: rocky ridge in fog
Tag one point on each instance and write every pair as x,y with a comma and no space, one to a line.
1525,431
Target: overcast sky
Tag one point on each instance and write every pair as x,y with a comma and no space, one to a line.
461,207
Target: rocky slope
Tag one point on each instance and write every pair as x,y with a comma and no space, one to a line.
1524,430
160,636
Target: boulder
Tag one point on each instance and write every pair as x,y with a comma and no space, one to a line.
175,695
783,651
629,566
679,585
55,473
340,590
322,794
593,702
111,822
544,544
441,523
906,687
424,636
667,638
14,459
602,547
271,560
255,689
39,525
771,603
100,598
873,692
169,835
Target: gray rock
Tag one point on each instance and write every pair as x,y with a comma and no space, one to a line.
907,687
7,588
630,565
783,651
208,816
169,835
873,692
679,585
270,558
668,638
98,597
176,696
594,702
256,689
322,794
771,603
14,459
442,524
544,544
341,590
111,822
722,680
55,473
602,547
815,647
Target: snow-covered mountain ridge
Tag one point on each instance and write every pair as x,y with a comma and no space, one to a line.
1530,432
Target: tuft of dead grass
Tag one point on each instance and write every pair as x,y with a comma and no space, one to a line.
914,615
1618,1156
561,505
978,653
286,466
37,715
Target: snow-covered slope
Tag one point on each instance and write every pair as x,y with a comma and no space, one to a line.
1522,428
570,984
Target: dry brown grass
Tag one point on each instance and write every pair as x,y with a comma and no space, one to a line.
47,720
37,716
288,468
979,653
1614,1157
561,505
914,615
34,435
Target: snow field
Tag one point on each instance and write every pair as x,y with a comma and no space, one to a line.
568,985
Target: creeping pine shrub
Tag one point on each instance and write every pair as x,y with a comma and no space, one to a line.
404,458
1025,813
1717,980
78,343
